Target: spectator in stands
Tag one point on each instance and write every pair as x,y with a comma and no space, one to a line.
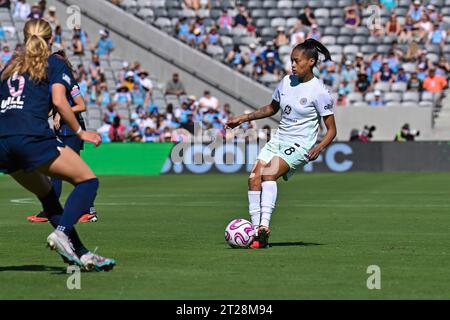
208,101
402,76
341,100
213,37
425,27
385,74
123,95
393,61
362,84
22,10
104,97
307,17
349,73
393,27
281,39
360,64
377,101
182,28
235,58
252,54
6,54
58,39
84,37
225,21
117,131
226,113
197,4
175,86
145,83
259,68
423,62
345,88
272,66
77,45
35,12
406,35
5,4
195,38
134,135
314,33
137,95
375,63
51,17
397,50
104,45
298,34
443,66
110,113
352,19
388,4
416,11
241,20
434,83
103,131
437,36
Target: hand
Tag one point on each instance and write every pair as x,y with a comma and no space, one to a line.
57,121
235,122
91,137
313,154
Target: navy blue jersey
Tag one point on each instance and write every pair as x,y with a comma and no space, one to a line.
72,91
25,103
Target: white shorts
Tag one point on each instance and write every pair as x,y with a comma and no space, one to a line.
291,152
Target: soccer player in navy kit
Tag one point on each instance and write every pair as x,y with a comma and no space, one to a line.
30,151
69,138
304,101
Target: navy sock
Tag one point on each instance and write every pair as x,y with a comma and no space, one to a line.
81,198
57,185
54,210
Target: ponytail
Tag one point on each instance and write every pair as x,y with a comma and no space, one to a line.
33,59
312,48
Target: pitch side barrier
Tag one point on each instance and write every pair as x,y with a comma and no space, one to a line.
338,157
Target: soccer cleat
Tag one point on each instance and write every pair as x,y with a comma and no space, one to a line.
60,242
92,261
42,217
254,245
263,236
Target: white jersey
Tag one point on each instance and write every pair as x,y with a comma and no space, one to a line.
302,106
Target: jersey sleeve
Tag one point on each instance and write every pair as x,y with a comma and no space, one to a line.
277,93
325,104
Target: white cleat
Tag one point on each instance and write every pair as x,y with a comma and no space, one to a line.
60,242
92,261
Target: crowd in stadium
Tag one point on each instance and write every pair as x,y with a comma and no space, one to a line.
361,73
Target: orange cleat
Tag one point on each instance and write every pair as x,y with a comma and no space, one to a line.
254,245
42,217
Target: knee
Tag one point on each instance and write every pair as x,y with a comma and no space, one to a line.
268,177
254,181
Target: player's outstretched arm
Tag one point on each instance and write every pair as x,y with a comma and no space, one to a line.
64,109
261,113
330,123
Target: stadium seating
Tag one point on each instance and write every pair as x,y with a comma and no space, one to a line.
268,15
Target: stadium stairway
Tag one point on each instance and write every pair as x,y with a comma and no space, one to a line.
135,41
442,123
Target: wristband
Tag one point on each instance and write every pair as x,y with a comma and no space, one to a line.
79,130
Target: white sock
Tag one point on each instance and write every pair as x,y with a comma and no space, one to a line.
268,200
254,207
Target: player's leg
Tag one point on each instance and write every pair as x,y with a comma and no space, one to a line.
254,193
275,169
69,167
39,184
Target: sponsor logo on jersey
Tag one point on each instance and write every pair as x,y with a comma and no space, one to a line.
329,107
66,78
288,110
303,101
11,103
75,91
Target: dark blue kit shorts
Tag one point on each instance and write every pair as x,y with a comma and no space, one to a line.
75,143
27,152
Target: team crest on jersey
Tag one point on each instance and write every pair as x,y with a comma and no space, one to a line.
303,101
66,78
75,91
288,110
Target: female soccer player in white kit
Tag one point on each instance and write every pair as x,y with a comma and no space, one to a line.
304,101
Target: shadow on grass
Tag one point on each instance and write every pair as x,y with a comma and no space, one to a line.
34,268
295,244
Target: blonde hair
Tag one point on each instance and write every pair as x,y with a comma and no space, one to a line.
33,59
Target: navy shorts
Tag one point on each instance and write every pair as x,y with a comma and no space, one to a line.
27,152
75,143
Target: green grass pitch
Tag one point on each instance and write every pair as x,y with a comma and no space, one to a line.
167,236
